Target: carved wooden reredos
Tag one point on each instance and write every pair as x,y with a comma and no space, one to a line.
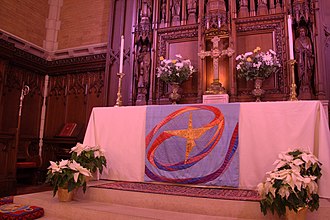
67,83
169,27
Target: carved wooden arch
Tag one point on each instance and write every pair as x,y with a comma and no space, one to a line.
273,24
166,37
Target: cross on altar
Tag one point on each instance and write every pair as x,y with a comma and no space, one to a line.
215,54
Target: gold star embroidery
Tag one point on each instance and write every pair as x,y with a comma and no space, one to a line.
191,134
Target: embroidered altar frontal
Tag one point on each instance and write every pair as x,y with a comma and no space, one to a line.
194,144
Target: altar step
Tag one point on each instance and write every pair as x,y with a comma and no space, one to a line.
111,204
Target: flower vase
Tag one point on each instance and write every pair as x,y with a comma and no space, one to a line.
174,95
292,215
258,92
64,195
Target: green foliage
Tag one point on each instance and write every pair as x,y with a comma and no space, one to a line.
62,174
88,159
292,184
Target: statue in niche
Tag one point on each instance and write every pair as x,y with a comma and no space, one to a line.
163,11
176,8
144,62
145,10
305,58
191,7
191,4
244,3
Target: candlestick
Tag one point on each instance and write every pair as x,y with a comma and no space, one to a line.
121,60
290,37
293,94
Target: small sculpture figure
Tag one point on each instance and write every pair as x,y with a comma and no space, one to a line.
244,3
304,57
191,5
163,10
176,8
145,9
144,62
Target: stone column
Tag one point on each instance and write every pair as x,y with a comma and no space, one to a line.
53,24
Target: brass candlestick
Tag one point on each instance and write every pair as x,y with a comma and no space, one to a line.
293,94
119,101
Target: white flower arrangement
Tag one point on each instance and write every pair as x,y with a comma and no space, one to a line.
256,64
67,174
91,157
292,184
175,71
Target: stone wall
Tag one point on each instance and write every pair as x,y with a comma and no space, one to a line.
83,23
25,19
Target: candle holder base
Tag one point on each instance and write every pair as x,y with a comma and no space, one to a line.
293,94
216,88
119,101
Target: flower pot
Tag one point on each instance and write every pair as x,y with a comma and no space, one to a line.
258,91
292,215
64,195
174,95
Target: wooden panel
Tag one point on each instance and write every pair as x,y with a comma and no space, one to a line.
55,115
247,43
178,40
7,164
188,50
10,109
267,33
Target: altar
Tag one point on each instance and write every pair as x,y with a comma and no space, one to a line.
265,130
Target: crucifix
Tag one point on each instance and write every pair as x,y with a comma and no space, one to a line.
215,54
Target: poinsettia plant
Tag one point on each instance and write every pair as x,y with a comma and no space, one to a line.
292,184
67,174
91,157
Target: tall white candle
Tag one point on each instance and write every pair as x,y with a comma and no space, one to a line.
290,37
121,60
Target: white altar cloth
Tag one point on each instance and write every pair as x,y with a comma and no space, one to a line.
265,130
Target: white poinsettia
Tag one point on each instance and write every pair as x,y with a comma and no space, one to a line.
65,174
78,148
292,183
91,157
58,166
81,170
284,192
309,159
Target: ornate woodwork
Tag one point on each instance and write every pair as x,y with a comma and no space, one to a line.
232,21
271,27
7,163
85,77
